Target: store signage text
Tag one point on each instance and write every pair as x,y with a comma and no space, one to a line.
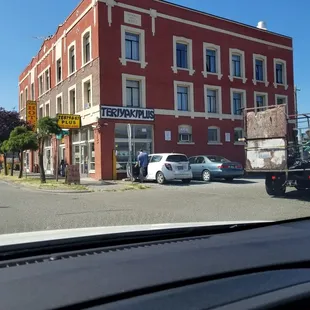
69,121
127,113
31,113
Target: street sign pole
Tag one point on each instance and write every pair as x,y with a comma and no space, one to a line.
129,133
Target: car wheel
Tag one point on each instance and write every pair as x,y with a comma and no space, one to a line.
206,176
160,178
186,181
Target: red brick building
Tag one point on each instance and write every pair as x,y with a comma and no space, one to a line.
179,76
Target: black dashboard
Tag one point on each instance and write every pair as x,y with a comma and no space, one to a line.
258,268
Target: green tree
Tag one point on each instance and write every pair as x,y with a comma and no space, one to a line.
22,139
46,127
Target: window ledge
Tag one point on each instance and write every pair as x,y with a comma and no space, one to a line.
46,92
86,63
175,69
186,143
214,115
263,82
142,63
215,143
58,83
206,73
280,84
232,78
72,73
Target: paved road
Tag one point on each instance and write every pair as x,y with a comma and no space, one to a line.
27,210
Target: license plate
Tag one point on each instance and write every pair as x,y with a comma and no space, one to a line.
232,167
180,167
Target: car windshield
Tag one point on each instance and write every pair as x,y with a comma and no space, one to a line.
177,158
217,159
186,116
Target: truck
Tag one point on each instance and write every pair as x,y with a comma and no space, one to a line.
277,145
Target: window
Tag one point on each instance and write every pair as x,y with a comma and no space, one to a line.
182,55
72,99
71,58
59,108
182,92
183,98
86,46
177,158
213,135
32,91
41,111
280,76
185,134
47,80
47,109
41,89
26,94
156,159
212,60
237,103
92,156
87,92
21,103
58,71
261,101
260,69
281,99
134,92
213,100
238,134
237,64
132,46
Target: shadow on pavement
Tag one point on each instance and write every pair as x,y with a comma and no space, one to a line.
237,181
298,195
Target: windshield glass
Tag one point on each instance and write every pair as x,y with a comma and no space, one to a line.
190,113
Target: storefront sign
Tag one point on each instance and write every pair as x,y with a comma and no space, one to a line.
31,113
127,113
69,121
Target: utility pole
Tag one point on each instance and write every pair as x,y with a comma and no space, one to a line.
295,98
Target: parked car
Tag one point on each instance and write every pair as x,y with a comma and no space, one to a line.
167,167
208,167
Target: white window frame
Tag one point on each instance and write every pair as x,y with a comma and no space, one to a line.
139,32
73,87
235,51
48,69
142,81
88,29
56,71
283,63
217,48
189,43
21,99
47,103
72,44
41,89
43,110
243,92
258,93
62,104
26,94
285,97
218,89
85,80
238,142
191,105
190,129
265,71
218,142
33,96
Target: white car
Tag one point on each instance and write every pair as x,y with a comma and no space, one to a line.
168,167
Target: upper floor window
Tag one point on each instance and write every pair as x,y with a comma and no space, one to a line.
72,100
41,87
213,100
21,103
58,70
260,69
212,60
132,46
26,94
71,60
261,101
185,134
133,93
47,80
237,103
182,93
280,74
59,107
237,64
86,46
182,55
32,91
87,92
214,135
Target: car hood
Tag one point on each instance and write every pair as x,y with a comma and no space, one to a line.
49,235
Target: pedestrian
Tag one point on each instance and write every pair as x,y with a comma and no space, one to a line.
143,162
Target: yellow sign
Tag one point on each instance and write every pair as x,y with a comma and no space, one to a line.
69,121
31,112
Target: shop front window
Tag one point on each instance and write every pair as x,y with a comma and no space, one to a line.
92,156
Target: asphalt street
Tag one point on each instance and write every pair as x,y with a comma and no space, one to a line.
23,209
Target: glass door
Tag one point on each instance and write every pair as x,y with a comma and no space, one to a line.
84,160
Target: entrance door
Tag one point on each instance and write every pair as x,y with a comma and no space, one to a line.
48,164
84,160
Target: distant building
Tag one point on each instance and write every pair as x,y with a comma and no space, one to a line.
179,76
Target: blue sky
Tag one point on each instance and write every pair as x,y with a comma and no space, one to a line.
24,20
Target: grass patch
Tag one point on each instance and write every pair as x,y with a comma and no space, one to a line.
134,186
50,184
